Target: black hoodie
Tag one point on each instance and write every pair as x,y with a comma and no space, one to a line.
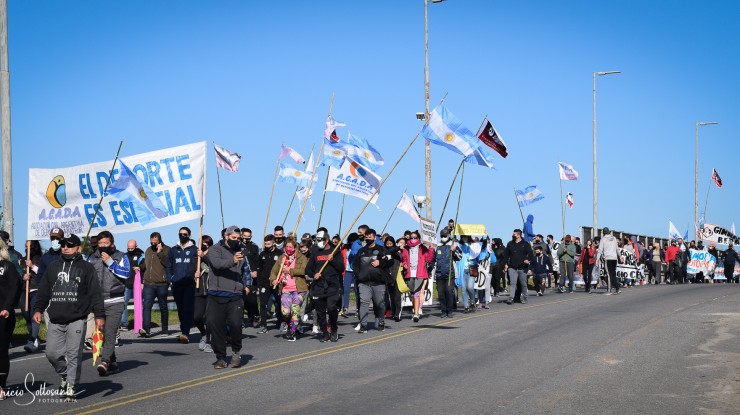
330,282
70,289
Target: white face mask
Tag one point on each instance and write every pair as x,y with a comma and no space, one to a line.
321,244
55,245
445,239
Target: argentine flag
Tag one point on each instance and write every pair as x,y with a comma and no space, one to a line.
446,130
127,188
290,175
528,196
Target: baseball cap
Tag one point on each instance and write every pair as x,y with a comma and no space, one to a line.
57,233
605,230
72,240
232,229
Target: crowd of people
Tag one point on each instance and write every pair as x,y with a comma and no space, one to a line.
221,287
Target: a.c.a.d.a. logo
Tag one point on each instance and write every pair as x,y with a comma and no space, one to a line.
56,192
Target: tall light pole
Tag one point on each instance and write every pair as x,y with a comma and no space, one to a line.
427,145
596,190
696,170
5,120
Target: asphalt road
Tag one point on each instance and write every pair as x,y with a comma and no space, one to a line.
649,350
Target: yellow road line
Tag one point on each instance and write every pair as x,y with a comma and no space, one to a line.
164,390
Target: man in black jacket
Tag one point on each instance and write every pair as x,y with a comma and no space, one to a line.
265,261
371,268
327,285
69,290
517,256
252,252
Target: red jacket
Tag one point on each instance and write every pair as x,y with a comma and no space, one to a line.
425,256
589,253
671,252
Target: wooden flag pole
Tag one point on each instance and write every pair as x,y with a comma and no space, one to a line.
97,207
341,216
449,192
200,237
293,198
382,182
562,205
220,198
457,212
519,205
28,272
392,212
323,196
706,201
269,204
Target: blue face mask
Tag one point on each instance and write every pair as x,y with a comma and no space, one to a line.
55,245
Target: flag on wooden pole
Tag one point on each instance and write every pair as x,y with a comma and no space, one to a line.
227,160
567,172
406,205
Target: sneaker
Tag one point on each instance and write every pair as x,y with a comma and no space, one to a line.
208,348
362,330
236,360
88,344
112,368
334,336
290,336
315,330
123,328
283,327
524,301
358,327
325,337
63,386
103,368
144,333
118,339
263,331
305,318
183,339
509,301
343,313
466,311
539,293
221,364
415,318
32,346
70,395
381,327
202,344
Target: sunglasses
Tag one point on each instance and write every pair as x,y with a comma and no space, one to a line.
66,244
185,235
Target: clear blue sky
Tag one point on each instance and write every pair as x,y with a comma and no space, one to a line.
252,75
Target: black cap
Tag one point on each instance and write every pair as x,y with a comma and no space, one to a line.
72,239
605,230
517,230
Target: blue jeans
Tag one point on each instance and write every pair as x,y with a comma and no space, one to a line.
160,292
349,276
127,296
468,289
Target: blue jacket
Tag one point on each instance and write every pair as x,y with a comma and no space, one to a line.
540,265
443,255
181,263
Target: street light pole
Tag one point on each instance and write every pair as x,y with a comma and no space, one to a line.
696,170
596,190
427,145
5,120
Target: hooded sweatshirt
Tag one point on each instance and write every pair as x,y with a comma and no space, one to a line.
182,262
608,248
330,283
69,291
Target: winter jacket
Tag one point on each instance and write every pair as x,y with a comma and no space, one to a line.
541,265
9,286
731,258
111,275
135,257
330,283
363,269
498,252
588,256
608,248
226,278
671,253
425,256
34,280
394,255
545,248
265,261
516,253
298,272
155,264
69,291
182,262
202,290
252,252
567,252
444,258
46,259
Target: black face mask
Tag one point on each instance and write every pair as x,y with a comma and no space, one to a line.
154,247
204,247
232,244
246,241
184,239
69,257
108,249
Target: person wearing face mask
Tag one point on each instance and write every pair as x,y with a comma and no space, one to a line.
33,251
349,276
540,267
9,288
415,259
288,275
155,284
393,295
517,257
201,299
112,268
588,261
181,265
252,252
371,268
229,277
326,286
444,275
266,260
566,255
279,234
54,253
69,290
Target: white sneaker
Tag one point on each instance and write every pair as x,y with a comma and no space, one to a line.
315,330
202,344
357,327
208,349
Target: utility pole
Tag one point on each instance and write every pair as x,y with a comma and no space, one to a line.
5,121
427,145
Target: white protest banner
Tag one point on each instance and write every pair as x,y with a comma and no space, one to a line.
406,298
67,197
717,234
627,267
719,271
701,261
354,180
428,231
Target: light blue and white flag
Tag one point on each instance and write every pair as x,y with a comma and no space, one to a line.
332,156
482,156
128,188
673,231
528,196
288,174
446,130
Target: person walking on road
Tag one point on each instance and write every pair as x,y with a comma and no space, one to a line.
517,257
371,269
9,287
566,255
288,276
326,286
609,250
181,266
416,256
155,284
200,303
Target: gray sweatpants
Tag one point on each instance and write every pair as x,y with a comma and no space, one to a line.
113,313
376,293
517,276
64,349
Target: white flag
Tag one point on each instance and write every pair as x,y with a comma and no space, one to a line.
567,172
406,205
354,180
330,132
289,152
732,229
226,159
309,164
672,231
